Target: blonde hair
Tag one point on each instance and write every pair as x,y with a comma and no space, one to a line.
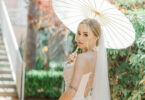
94,26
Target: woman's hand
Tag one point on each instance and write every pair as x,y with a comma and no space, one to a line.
68,95
73,56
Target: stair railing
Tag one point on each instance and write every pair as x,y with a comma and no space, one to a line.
14,56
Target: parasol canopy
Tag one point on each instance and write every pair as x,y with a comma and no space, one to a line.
118,31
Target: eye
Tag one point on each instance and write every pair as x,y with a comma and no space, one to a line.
86,35
79,33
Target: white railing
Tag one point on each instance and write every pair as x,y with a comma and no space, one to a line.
12,48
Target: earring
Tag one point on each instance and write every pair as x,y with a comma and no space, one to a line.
96,48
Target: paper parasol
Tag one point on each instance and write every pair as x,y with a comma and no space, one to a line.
117,30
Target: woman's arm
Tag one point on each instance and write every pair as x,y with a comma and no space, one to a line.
68,95
79,67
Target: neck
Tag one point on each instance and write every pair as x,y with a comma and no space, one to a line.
89,49
84,49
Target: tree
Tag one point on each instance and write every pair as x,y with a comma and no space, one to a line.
30,44
51,41
42,17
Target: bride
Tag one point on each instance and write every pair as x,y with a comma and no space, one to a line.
86,76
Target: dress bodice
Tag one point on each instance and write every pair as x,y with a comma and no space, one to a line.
67,74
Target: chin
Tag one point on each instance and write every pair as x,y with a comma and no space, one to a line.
81,47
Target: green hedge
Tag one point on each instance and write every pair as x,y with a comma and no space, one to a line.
43,83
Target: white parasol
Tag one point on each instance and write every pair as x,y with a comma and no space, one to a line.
117,29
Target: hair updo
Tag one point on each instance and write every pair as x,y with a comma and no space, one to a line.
94,26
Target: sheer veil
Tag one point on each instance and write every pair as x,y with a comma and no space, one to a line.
101,89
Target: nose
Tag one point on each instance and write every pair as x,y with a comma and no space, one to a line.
80,38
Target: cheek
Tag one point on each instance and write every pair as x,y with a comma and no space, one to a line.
91,42
87,42
76,37
86,38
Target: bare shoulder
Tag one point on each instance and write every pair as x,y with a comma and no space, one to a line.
83,57
81,61
86,56
86,60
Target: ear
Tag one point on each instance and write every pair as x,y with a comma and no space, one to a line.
96,38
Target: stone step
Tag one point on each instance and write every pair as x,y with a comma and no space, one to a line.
6,77
8,98
4,64
8,92
3,49
2,45
12,83
1,42
7,84
1,38
4,70
2,52
3,58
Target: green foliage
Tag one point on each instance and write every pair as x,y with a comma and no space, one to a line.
56,66
39,64
43,83
126,66
131,4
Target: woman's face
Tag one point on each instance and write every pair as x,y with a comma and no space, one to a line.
85,37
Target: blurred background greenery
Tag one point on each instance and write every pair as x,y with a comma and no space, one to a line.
55,42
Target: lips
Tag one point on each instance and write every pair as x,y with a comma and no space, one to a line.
80,43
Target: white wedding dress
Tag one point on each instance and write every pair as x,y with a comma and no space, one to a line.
67,74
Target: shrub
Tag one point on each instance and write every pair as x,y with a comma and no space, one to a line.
43,83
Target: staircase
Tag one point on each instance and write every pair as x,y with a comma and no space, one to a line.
7,84
11,81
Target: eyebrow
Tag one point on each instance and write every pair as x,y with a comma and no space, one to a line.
83,32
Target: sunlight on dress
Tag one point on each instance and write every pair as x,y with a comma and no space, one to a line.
67,74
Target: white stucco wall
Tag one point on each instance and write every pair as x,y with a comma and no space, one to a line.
18,14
